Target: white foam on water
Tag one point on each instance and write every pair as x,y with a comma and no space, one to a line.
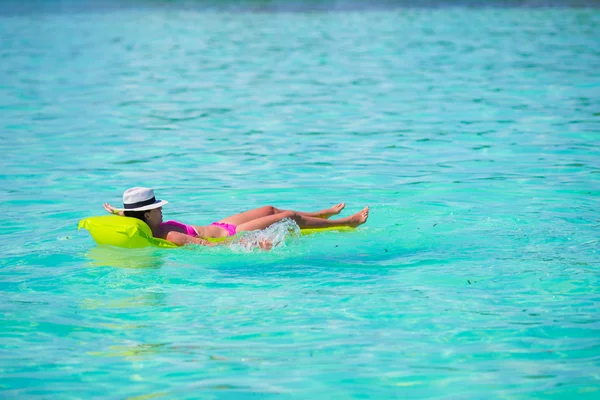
276,234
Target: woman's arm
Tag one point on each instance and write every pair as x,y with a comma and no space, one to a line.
181,239
111,210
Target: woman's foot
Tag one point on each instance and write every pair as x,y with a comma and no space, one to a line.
359,218
330,212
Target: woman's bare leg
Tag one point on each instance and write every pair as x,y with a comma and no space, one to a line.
304,221
265,211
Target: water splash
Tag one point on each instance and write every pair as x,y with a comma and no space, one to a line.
276,234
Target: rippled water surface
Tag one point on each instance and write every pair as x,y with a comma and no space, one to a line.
473,135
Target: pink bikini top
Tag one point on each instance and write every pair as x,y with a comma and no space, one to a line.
187,228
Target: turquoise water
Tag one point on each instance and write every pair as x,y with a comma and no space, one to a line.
473,135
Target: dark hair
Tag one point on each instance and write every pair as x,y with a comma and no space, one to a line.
136,214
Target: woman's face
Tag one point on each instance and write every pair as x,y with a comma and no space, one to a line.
154,217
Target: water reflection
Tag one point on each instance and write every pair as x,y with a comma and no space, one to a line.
102,256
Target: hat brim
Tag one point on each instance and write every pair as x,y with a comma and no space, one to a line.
159,203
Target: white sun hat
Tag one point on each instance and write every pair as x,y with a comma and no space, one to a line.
141,199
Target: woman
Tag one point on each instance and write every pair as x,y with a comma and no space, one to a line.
139,202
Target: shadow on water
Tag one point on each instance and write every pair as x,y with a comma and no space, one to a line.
292,255
105,256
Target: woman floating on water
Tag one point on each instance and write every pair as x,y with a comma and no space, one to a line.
141,203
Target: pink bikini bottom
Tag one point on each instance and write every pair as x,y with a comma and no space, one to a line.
231,229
